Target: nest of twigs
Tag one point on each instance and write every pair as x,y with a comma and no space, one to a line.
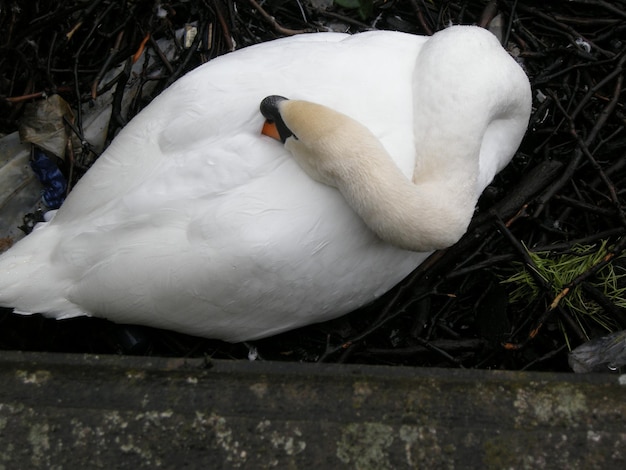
540,270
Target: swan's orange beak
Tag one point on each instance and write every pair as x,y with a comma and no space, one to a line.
270,130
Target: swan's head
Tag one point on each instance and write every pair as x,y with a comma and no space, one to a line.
274,125
331,147
309,122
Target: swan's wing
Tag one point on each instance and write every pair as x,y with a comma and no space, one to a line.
192,209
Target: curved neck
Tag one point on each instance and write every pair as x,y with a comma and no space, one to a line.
432,213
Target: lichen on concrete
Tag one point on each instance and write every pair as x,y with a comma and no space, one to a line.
40,443
365,446
58,413
37,377
233,450
560,406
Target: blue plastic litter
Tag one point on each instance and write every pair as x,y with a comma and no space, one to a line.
53,181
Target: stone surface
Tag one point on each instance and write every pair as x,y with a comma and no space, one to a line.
69,411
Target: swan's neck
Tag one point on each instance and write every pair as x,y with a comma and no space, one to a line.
431,214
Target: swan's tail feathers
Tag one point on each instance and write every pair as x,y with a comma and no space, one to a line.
29,284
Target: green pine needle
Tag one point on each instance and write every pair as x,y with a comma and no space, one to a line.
559,270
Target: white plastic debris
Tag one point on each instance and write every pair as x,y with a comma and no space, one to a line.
604,354
20,191
584,45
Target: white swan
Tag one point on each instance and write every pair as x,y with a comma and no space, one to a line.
193,221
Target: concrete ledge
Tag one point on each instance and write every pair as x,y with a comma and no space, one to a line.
69,411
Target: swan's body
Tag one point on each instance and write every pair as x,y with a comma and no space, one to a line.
194,222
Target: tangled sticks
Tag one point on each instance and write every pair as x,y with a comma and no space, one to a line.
541,269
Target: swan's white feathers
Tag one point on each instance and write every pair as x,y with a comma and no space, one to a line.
474,92
193,221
